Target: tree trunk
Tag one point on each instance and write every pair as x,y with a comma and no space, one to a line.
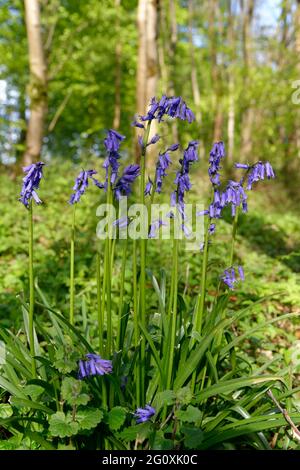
37,83
231,103
297,47
248,118
194,78
213,12
147,69
118,52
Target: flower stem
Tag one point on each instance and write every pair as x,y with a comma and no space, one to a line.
174,315
72,291
201,299
122,282
31,291
108,268
233,236
99,304
143,265
136,322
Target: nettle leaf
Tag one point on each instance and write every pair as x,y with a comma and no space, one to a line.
88,418
141,432
193,437
71,391
190,415
62,425
184,395
6,410
116,417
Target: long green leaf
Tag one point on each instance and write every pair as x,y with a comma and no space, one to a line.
235,384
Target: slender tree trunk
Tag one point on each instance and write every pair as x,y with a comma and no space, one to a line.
37,84
22,136
248,118
118,53
194,78
147,71
231,103
213,12
297,47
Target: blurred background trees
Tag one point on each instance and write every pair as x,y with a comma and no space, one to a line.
71,69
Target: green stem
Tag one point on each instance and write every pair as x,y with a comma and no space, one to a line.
233,237
122,282
174,315
108,245
99,304
136,323
72,291
31,291
143,265
201,303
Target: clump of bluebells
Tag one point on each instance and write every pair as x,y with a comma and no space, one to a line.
108,372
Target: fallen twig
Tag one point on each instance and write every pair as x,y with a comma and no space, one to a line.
295,430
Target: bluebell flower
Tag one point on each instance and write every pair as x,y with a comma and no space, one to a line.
144,414
122,222
112,144
94,365
138,124
124,183
154,139
182,179
148,188
216,155
154,227
113,140
243,166
258,172
81,183
190,155
212,228
31,182
229,276
174,107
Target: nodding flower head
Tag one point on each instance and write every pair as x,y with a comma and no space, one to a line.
164,161
144,414
81,184
258,172
94,365
173,107
31,182
113,140
182,177
229,276
124,183
112,144
215,157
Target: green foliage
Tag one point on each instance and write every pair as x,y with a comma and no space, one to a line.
116,418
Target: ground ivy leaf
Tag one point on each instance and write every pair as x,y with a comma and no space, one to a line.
88,418
184,395
190,415
140,432
62,425
71,392
116,418
167,397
